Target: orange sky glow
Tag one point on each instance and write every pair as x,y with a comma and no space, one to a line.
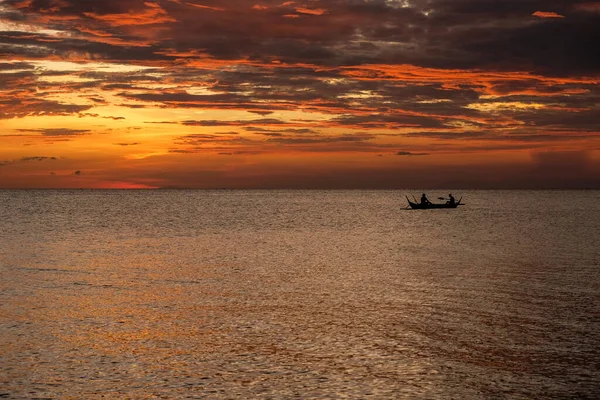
299,94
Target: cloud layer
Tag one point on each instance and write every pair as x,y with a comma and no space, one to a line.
121,82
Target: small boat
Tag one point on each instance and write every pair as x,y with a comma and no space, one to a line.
419,206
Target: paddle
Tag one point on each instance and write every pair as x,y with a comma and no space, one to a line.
456,202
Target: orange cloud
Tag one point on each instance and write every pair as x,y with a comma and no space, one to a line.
154,14
206,7
546,14
341,87
311,11
450,77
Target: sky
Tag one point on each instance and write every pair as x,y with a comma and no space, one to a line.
379,94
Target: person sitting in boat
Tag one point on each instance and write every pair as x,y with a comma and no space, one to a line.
451,199
424,200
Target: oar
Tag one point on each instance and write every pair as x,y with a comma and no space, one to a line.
408,206
441,198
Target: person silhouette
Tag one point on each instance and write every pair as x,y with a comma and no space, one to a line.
424,200
451,200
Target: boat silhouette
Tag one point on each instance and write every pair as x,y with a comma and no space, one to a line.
427,206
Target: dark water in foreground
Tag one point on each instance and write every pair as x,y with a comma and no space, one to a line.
307,294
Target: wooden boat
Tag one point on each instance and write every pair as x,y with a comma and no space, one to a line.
419,206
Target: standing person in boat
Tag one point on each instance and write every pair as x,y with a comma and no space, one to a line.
451,201
424,200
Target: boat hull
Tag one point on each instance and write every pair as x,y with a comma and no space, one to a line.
431,206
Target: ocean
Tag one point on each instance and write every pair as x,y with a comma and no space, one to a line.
238,294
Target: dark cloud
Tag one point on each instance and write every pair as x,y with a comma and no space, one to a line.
261,112
434,33
78,8
360,137
298,130
570,51
81,115
408,153
97,99
27,159
30,106
199,139
450,135
270,133
584,120
11,66
37,158
240,153
265,131
458,75
389,121
57,132
483,35
262,121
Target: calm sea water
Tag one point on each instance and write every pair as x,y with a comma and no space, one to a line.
298,294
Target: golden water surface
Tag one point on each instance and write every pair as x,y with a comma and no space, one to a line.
298,294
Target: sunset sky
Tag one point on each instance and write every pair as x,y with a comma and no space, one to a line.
299,94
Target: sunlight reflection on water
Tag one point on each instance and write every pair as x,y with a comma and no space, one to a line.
249,294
